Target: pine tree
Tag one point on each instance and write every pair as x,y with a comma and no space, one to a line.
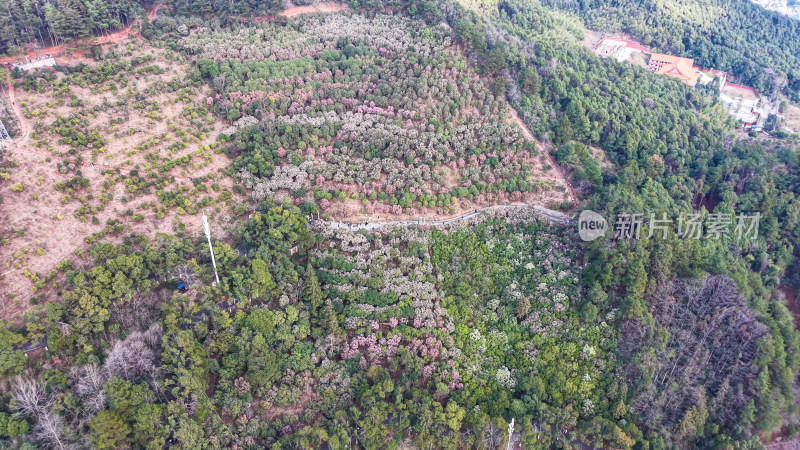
99,14
74,21
263,283
620,410
329,321
109,430
312,293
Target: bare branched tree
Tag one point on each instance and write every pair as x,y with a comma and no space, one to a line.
707,344
32,401
140,310
219,82
135,357
30,398
89,380
492,437
49,429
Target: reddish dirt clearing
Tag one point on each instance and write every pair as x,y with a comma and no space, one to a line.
322,7
559,174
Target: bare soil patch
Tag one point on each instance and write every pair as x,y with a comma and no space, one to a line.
791,118
322,7
734,91
43,225
592,37
558,175
640,59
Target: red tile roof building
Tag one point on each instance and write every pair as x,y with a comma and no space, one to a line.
659,60
675,67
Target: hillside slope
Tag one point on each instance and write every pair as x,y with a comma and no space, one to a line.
364,116
304,333
761,47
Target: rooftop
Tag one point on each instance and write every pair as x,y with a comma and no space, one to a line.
681,70
670,59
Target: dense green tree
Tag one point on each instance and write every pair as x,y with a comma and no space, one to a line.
263,284
109,430
440,336
12,427
312,293
757,45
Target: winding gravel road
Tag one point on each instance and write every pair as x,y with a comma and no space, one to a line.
553,216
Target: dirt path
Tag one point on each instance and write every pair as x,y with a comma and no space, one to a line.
546,147
23,122
549,214
322,7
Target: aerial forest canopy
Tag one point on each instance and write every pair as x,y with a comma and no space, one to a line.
318,335
46,23
760,47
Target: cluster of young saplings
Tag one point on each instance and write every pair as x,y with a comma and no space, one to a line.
77,129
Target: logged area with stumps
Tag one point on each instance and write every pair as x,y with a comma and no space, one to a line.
123,145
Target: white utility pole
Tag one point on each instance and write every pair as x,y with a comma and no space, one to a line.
510,434
210,248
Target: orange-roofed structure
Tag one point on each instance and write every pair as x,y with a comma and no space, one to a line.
675,67
659,60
